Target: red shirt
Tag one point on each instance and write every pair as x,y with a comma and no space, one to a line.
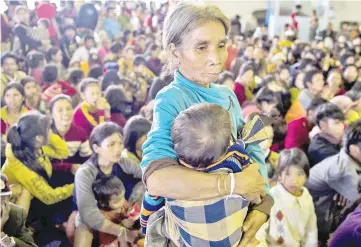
240,92
297,134
118,119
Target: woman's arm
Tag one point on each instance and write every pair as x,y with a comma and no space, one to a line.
57,148
131,168
39,187
89,212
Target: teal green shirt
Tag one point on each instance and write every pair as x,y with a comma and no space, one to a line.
180,95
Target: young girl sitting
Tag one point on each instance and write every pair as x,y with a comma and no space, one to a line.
292,221
94,109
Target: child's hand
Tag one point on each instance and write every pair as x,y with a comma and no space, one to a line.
102,104
16,190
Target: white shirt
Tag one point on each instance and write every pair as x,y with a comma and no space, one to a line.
292,221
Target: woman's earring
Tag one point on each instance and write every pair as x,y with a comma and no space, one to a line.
177,62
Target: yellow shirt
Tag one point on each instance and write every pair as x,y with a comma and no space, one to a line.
18,173
128,155
294,93
352,116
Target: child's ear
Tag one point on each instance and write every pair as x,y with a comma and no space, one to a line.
82,96
323,125
96,148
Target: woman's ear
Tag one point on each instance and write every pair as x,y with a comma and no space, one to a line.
96,148
39,140
175,54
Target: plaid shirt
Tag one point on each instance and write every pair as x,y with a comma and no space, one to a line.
210,222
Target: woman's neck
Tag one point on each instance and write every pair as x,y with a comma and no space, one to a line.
13,111
62,130
105,166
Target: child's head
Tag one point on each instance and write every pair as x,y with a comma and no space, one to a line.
316,102
226,78
107,143
14,96
267,100
201,134
75,76
90,91
330,118
35,60
246,73
9,63
89,42
292,170
117,48
352,140
43,23
314,81
31,88
129,52
139,64
355,96
110,78
154,51
110,12
109,192
50,73
334,80
54,55
135,134
350,73
283,74
116,98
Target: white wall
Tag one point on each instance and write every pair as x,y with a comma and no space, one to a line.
343,10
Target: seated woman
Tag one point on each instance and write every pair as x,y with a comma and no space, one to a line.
30,146
76,139
107,145
135,134
32,92
116,98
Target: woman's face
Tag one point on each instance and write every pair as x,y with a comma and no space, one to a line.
334,81
299,81
139,144
31,89
248,77
111,148
62,113
13,99
10,66
203,53
350,74
58,57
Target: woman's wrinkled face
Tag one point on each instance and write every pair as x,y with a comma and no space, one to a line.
203,53
13,99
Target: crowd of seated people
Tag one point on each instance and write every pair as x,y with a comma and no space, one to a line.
77,101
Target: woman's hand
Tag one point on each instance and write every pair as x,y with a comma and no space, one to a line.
250,184
254,221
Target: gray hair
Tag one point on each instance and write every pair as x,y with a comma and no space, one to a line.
185,17
201,134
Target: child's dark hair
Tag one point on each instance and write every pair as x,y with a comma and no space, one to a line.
306,62
139,60
316,102
110,78
224,76
50,73
100,133
75,76
292,157
328,111
14,85
51,52
246,67
309,76
96,72
104,188
117,47
34,59
26,80
115,96
7,55
352,135
86,82
135,128
22,137
201,134
44,21
89,37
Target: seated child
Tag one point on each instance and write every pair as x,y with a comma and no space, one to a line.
203,145
292,220
109,192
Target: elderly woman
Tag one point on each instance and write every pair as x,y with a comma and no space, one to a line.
195,37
